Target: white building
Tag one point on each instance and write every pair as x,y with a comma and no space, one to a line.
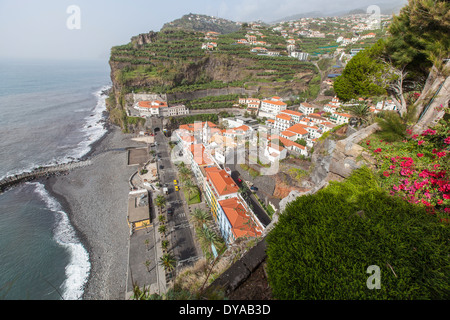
306,108
270,108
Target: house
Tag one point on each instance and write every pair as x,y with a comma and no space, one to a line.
177,110
218,185
317,118
340,118
298,129
295,115
306,108
235,220
150,108
274,152
331,108
289,145
271,107
283,121
198,158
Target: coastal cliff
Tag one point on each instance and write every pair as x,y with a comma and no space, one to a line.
179,63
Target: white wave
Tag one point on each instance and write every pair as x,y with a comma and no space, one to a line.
77,271
94,127
93,130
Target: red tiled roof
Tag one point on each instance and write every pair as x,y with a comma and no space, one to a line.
221,180
239,218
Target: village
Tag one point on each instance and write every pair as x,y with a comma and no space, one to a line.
267,132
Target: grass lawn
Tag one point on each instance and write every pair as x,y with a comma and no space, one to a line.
195,198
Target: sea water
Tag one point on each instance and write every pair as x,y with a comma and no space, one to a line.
50,112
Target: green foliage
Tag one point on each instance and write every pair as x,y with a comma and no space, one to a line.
324,243
419,35
363,76
393,127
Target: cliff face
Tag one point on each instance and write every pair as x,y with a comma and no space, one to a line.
333,161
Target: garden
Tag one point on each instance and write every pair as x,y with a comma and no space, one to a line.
416,167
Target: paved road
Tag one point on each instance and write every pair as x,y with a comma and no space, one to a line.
182,236
257,209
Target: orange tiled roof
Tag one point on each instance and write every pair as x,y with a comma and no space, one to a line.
279,103
284,117
298,129
221,180
237,214
292,112
198,151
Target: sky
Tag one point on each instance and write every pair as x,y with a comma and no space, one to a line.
50,29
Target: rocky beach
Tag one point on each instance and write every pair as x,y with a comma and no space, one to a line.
95,198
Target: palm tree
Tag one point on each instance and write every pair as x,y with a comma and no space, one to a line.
160,202
165,244
161,218
201,217
360,111
207,237
191,188
185,173
162,229
168,261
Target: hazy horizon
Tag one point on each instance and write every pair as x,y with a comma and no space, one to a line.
38,29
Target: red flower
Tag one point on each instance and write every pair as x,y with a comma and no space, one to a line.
386,174
420,155
446,196
420,142
377,150
447,140
441,154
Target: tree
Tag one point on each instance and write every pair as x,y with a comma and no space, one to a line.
185,173
168,261
160,202
200,217
360,111
363,76
191,188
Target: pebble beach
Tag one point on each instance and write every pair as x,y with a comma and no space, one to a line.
95,198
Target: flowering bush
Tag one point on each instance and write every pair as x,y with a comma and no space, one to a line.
417,168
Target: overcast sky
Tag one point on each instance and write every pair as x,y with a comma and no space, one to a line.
38,29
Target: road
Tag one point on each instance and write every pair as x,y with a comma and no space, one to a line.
182,240
231,162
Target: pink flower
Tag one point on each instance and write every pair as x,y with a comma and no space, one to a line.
429,132
420,142
415,136
447,140
441,154
392,167
420,155
386,174
446,196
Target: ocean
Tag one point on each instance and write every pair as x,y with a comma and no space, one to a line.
51,112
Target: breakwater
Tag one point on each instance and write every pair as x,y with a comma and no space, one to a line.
41,172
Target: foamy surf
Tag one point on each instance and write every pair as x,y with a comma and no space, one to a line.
93,130
77,271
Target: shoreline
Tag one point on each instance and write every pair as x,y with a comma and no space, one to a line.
95,199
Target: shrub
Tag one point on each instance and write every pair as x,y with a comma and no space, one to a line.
324,243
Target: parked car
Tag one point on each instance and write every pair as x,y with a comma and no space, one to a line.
170,211
177,188
253,188
161,166
239,180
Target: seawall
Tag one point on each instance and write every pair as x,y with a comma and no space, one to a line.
40,172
